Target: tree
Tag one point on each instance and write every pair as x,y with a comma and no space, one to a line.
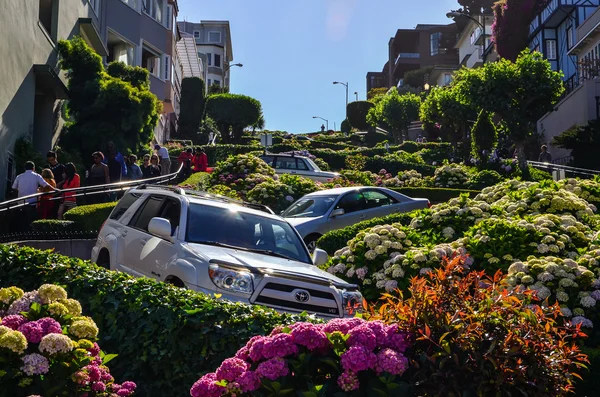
447,110
217,89
416,78
395,112
375,92
105,105
518,92
475,7
584,143
484,137
357,114
192,107
233,111
510,31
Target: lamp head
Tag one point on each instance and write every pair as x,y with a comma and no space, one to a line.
454,14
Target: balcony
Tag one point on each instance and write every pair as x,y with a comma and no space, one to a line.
550,17
408,55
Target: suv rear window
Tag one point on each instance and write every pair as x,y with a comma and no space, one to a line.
123,205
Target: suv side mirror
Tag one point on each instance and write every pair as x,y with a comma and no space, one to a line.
160,227
320,257
337,212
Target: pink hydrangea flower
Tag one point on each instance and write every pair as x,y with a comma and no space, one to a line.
249,381
243,353
35,364
280,345
348,381
94,350
93,372
129,385
342,325
231,369
206,387
378,328
391,362
256,345
272,369
310,336
32,331
358,358
98,386
49,326
396,339
363,336
13,321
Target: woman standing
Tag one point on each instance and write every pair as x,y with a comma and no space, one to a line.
98,175
155,167
46,204
146,167
72,181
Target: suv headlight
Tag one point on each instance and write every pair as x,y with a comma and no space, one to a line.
232,280
353,302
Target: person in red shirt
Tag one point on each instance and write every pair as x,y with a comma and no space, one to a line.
200,161
185,158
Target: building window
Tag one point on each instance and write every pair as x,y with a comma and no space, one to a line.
121,52
217,82
447,78
131,3
551,49
218,60
570,38
154,8
434,43
196,34
214,37
167,64
209,57
475,35
46,15
95,4
209,82
151,60
169,17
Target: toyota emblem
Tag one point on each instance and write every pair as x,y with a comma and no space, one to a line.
302,296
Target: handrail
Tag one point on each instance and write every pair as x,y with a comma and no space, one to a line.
566,168
88,190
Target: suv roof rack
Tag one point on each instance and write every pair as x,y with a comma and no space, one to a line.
224,199
174,189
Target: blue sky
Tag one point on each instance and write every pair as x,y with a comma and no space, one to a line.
292,50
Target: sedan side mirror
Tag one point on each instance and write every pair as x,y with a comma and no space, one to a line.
337,212
160,227
320,257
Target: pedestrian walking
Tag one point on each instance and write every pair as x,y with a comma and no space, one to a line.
164,159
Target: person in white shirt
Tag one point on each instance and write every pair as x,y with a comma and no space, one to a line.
28,182
165,161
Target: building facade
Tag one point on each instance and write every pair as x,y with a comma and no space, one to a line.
565,32
213,44
32,87
413,49
474,46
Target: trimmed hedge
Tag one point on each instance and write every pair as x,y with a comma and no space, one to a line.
52,225
89,217
216,153
165,337
394,166
434,194
195,180
336,239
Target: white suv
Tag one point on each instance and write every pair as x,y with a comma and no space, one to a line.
217,245
297,165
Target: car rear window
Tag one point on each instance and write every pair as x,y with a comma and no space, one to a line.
123,205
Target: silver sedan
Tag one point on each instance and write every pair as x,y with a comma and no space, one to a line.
320,212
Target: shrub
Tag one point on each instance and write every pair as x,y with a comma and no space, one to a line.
485,178
145,321
451,175
356,162
395,165
195,181
241,173
345,127
435,195
337,239
273,194
322,164
357,114
89,217
475,337
300,185
217,153
306,358
52,225
225,191
538,175
47,346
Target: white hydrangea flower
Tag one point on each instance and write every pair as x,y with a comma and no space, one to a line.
562,296
370,255
545,276
588,301
566,312
517,267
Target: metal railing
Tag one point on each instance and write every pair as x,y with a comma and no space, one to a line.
86,191
584,172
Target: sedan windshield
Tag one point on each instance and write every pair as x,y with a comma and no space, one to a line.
238,229
309,207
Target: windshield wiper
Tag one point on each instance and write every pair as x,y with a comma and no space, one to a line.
255,250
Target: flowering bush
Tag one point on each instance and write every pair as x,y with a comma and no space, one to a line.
241,173
589,190
300,185
222,190
404,179
341,358
47,347
451,175
484,179
474,337
274,194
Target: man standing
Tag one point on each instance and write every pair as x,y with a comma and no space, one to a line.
165,161
545,156
27,184
57,168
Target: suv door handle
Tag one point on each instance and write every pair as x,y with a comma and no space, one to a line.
144,241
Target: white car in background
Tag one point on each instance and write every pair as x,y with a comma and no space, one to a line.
297,165
216,245
320,212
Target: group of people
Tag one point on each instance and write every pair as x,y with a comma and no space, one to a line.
55,177
193,161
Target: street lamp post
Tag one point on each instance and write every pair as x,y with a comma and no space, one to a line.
228,66
325,120
346,85
456,14
356,93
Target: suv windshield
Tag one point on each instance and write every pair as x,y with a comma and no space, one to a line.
227,227
309,207
313,164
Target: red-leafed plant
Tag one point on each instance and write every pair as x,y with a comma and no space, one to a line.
477,337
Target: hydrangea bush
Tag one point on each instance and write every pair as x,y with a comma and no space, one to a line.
451,176
341,358
241,173
47,347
